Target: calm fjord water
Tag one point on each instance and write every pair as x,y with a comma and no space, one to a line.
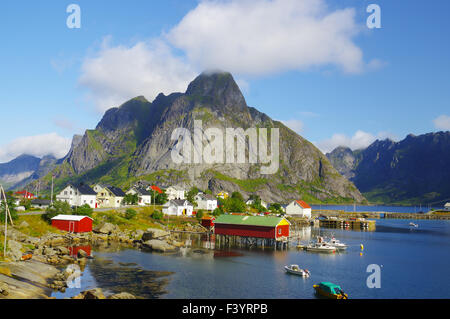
415,264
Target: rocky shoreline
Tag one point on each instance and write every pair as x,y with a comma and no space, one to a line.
47,270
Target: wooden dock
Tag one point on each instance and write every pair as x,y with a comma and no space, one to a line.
353,224
379,215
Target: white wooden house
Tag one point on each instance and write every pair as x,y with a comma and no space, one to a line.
206,201
178,207
447,206
175,192
298,208
78,195
144,196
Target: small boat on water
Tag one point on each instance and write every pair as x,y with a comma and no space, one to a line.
320,246
413,225
330,290
296,270
336,243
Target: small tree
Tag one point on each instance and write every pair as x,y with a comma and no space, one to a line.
161,198
57,208
25,203
130,213
217,212
191,194
200,214
157,215
84,210
11,207
131,199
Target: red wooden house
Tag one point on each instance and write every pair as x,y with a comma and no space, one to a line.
25,194
72,223
252,226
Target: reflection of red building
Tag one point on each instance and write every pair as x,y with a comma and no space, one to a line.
72,223
73,251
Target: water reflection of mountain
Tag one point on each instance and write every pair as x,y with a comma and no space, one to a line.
119,277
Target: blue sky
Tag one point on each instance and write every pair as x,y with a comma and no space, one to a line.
386,82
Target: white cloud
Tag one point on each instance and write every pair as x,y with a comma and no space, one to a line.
295,125
116,74
38,145
245,37
442,122
262,37
359,140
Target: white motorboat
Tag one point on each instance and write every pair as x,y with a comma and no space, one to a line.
413,225
321,248
296,270
336,243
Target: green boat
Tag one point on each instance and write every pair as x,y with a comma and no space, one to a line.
330,290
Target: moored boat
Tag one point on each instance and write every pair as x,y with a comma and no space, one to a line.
320,248
296,270
336,243
330,290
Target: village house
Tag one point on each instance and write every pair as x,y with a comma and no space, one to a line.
298,208
40,203
251,202
205,201
109,196
447,207
144,196
178,207
223,195
25,194
175,192
78,195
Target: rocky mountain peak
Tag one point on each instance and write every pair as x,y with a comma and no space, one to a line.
220,86
122,116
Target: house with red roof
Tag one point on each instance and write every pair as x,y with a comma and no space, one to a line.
25,194
298,208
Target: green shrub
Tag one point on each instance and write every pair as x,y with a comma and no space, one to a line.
157,215
12,210
130,213
57,208
200,214
84,210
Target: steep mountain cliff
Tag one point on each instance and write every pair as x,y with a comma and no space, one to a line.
414,170
134,142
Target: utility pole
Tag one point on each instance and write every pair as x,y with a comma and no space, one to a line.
51,196
7,214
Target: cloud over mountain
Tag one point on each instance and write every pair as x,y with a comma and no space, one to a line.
248,38
38,145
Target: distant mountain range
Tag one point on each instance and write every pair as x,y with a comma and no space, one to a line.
414,170
133,142
25,169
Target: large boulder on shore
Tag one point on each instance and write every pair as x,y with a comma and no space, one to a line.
106,228
159,245
122,295
154,233
4,289
95,293
14,250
